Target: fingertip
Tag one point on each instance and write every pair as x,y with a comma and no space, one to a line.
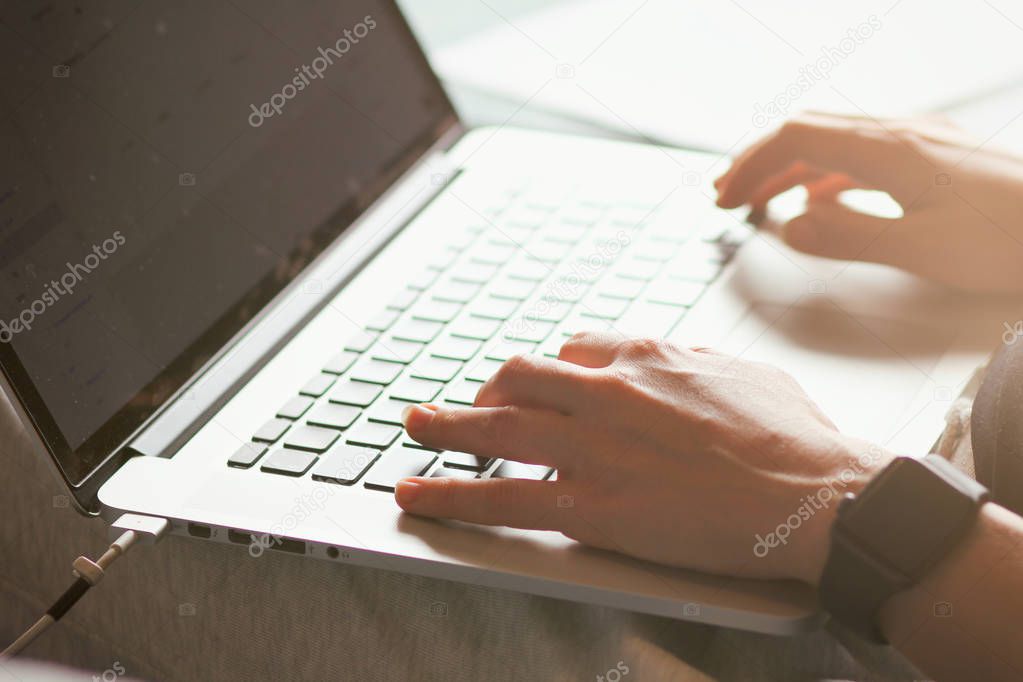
407,492
417,416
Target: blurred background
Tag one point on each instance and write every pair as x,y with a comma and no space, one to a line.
717,75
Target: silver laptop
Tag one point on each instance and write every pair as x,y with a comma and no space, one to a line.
236,240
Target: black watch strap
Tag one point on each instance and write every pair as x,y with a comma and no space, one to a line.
884,540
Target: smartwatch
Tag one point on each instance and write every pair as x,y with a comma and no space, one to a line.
886,538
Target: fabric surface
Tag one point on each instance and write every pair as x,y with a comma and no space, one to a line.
997,427
191,610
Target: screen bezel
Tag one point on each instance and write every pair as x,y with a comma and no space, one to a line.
104,450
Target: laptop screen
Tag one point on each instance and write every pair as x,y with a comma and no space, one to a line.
167,169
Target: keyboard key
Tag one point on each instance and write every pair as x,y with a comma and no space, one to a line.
361,342
403,300
271,431
373,435
548,252
577,322
247,455
444,472
603,307
565,233
373,371
341,362
344,464
383,320
508,348
462,392
288,462
456,348
492,254
334,416
295,408
475,273
534,331
651,320
514,289
310,438
464,460
387,411
479,328
677,292
653,251
529,270
420,331
694,270
318,385
494,308
435,369
548,310
416,390
483,369
638,269
396,463
457,292
551,347
434,310
511,469
396,350
355,393
621,287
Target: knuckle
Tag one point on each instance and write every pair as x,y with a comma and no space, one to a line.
513,366
649,348
500,426
613,382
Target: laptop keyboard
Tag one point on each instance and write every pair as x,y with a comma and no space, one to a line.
523,281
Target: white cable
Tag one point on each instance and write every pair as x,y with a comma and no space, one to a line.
88,573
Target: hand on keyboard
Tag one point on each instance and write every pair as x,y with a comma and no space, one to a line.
960,197
684,457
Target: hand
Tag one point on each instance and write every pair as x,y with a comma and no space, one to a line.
961,201
683,457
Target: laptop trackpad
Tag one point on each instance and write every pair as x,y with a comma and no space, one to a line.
863,371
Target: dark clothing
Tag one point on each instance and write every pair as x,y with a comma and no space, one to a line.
997,426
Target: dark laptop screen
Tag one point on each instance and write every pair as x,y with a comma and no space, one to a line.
167,169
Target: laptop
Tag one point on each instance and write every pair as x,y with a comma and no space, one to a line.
238,239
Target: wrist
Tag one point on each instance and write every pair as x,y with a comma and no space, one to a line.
857,462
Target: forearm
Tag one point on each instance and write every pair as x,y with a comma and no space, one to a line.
979,634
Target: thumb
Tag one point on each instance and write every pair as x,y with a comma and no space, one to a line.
834,231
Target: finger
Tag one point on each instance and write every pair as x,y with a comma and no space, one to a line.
829,187
520,434
536,381
592,349
494,502
858,148
834,231
798,173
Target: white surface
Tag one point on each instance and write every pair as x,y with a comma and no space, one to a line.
694,72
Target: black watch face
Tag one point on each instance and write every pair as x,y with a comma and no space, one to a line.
903,512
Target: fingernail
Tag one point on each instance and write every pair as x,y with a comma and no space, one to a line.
424,413
406,492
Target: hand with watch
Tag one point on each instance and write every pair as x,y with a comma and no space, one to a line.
886,538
